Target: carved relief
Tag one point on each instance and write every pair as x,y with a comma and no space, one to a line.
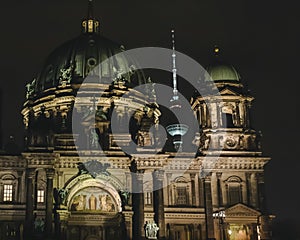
230,142
93,199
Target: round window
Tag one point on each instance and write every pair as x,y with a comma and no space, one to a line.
92,62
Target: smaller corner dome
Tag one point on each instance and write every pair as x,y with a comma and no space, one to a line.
222,72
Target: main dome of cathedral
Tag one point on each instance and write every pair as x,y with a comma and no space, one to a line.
86,78
88,54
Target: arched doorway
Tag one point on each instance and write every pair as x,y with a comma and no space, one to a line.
93,210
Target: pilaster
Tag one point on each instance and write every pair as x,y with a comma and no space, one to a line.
49,200
158,197
30,174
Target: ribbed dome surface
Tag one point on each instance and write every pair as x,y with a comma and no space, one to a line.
82,57
223,72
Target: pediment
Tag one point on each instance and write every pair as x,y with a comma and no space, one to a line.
227,91
240,209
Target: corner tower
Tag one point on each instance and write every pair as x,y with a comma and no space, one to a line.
225,118
233,160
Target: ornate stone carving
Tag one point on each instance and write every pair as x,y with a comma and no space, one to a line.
66,76
159,175
124,195
151,230
230,142
240,210
60,196
93,167
30,172
50,173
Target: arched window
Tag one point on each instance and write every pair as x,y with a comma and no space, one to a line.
234,190
181,191
8,186
227,114
40,186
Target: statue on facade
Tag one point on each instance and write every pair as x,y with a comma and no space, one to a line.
100,114
65,76
151,230
81,168
39,225
124,195
93,139
59,195
30,88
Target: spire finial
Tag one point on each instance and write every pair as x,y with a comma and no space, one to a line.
90,10
174,70
90,24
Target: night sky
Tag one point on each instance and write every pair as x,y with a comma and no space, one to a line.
260,38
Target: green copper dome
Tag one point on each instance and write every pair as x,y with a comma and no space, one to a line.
86,55
80,57
219,71
223,72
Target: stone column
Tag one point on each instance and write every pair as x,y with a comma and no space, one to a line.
20,192
247,114
127,181
169,195
261,193
158,198
201,192
254,192
241,113
208,208
254,231
244,192
193,190
30,174
62,220
137,202
214,189
60,181
219,188
49,201
248,184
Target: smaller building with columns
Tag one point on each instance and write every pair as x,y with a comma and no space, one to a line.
74,181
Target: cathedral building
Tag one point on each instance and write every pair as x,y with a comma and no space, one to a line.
74,181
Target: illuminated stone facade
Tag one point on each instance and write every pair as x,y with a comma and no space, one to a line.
53,189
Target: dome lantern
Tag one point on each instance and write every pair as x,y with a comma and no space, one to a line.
90,24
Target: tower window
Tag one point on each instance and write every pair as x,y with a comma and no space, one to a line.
148,198
40,196
7,192
227,120
227,114
234,192
181,196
